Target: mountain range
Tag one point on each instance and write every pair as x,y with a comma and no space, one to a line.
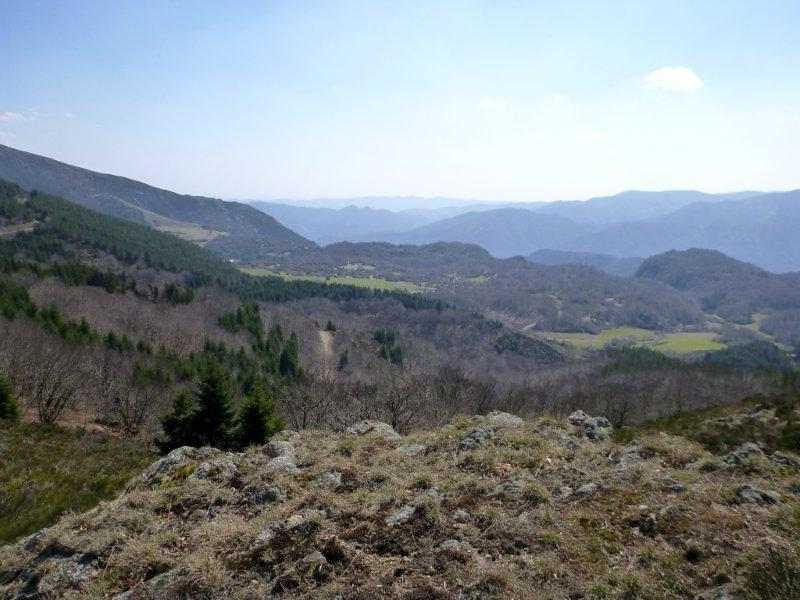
755,227
751,226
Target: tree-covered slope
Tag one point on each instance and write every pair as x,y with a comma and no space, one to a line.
724,285
142,203
58,223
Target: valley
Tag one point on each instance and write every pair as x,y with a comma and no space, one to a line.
129,336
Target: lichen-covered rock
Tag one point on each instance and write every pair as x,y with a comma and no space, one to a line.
504,419
256,495
220,470
412,449
594,428
578,418
785,460
744,453
405,514
168,465
283,464
377,428
476,438
747,494
597,428
331,480
276,448
586,490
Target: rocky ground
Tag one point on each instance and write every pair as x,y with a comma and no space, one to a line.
486,507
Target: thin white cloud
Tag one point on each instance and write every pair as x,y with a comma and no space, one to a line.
11,117
674,79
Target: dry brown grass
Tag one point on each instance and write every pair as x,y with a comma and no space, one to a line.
511,530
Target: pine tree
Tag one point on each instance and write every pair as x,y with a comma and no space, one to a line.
177,425
257,421
213,418
8,403
289,364
344,360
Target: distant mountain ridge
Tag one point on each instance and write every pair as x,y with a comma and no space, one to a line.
762,230
504,232
222,226
634,205
622,267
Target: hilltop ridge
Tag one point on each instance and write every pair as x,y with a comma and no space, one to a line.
486,507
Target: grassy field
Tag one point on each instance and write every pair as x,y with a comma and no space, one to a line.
599,340
669,343
47,471
375,283
686,343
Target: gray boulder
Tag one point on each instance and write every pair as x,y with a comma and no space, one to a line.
744,453
747,494
597,428
578,418
377,428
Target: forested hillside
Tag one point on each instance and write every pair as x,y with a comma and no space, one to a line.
222,225
723,285
541,297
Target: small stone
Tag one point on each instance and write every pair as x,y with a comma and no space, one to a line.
565,491
316,565
331,480
405,514
412,449
586,489
461,516
455,547
578,418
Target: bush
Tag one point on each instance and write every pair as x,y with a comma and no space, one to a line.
775,577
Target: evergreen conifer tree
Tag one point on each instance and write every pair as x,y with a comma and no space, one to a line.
213,418
178,424
289,364
257,421
8,403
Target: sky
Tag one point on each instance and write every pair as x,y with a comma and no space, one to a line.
494,101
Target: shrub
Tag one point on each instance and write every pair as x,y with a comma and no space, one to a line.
775,577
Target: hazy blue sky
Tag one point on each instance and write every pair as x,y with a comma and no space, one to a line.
491,100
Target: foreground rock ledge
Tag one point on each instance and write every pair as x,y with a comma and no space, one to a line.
486,507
